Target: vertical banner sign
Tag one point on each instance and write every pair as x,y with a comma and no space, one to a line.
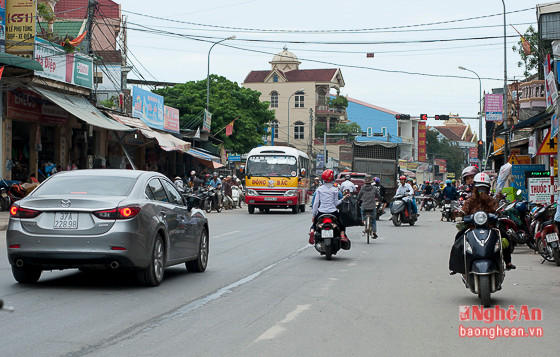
422,141
550,83
148,107
494,106
554,125
20,26
170,119
532,149
207,120
2,25
473,155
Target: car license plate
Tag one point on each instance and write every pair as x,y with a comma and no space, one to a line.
552,237
327,233
270,198
66,220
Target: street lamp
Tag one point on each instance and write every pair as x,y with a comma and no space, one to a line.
479,107
208,75
290,97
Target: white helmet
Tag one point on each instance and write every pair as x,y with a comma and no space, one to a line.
193,173
482,179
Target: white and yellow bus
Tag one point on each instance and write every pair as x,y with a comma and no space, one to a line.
276,177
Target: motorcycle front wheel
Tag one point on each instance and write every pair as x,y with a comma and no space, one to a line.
208,206
543,251
484,289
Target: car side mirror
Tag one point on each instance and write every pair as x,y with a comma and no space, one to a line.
192,201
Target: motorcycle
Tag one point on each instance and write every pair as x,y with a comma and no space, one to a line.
449,207
327,236
236,193
438,199
400,213
429,203
546,234
210,200
482,261
513,222
378,209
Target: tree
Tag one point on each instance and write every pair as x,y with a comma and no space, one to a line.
534,59
228,101
444,149
349,128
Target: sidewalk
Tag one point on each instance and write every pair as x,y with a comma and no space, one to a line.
4,218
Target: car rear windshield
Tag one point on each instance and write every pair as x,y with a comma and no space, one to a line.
87,186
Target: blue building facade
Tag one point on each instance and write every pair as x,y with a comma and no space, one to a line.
373,119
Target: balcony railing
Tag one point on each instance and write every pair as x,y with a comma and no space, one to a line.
325,109
533,94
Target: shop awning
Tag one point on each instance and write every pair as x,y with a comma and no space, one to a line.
21,62
210,164
82,109
202,155
166,141
497,152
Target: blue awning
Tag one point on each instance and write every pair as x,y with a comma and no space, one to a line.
202,155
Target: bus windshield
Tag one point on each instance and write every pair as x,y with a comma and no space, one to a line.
268,165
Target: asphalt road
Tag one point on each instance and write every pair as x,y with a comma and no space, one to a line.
268,293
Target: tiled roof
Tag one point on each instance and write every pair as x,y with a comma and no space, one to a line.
77,9
448,133
63,28
298,75
110,56
371,106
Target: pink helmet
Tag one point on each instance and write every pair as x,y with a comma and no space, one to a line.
469,171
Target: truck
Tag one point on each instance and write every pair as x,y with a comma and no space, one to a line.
379,159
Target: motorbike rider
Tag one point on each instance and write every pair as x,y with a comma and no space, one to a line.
449,193
194,182
467,177
326,201
217,184
405,189
347,185
368,195
426,192
228,192
381,189
482,201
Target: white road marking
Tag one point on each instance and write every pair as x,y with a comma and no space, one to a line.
277,329
226,234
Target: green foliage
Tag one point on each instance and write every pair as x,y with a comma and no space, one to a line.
45,12
337,128
339,102
532,61
444,149
228,101
108,103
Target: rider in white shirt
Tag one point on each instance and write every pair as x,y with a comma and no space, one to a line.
405,189
347,185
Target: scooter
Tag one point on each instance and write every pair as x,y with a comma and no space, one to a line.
327,236
400,213
448,207
236,193
546,234
482,261
429,203
379,209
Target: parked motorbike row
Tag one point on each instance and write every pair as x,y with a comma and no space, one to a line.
10,193
212,199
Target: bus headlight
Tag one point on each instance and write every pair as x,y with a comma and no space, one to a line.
251,192
290,193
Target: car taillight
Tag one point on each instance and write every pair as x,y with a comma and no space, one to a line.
118,213
19,212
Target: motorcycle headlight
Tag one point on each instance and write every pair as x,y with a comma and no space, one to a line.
468,247
251,192
497,246
480,218
290,193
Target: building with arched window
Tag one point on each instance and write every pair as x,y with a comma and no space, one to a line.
300,98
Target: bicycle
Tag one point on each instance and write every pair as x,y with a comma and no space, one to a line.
367,225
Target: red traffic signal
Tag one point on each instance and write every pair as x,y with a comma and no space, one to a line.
441,117
423,116
402,116
480,142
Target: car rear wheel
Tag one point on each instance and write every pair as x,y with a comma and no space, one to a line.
152,275
26,275
199,264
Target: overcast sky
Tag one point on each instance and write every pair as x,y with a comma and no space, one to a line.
181,59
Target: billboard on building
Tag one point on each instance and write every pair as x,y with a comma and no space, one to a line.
72,68
442,163
29,106
2,25
20,25
148,107
170,119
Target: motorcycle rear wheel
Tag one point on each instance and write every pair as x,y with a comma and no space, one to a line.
396,220
484,289
328,252
543,251
556,255
208,206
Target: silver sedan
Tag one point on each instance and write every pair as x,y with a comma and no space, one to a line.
111,219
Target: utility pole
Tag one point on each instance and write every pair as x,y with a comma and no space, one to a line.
92,8
310,145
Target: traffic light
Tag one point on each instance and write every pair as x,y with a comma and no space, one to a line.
480,151
423,116
402,116
441,117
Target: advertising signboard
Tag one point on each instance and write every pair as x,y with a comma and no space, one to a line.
26,105
540,189
519,179
72,68
170,119
442,163
20,26
2,25
422,141
494,104
148,107
207,123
